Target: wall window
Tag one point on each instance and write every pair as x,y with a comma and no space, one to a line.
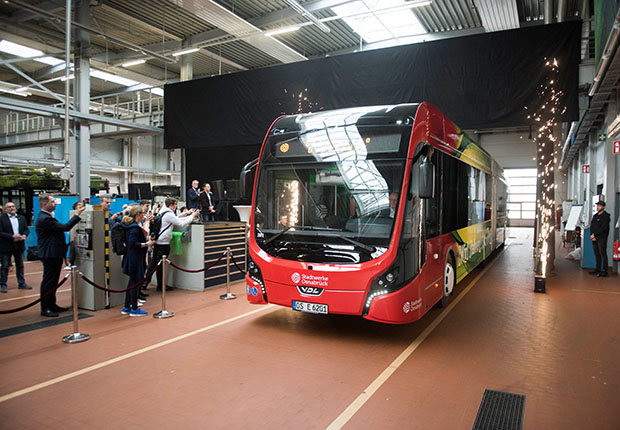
521,193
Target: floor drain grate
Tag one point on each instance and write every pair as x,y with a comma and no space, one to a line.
500,411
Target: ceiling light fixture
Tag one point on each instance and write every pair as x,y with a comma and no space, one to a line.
15,92
26,52
134,62
185,51
282,30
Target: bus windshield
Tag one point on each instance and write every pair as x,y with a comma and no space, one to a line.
328,192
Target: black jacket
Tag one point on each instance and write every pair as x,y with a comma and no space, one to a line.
51,235
204,202
134,262
599,226
7,244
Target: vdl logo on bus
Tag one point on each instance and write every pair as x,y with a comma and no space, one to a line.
309,291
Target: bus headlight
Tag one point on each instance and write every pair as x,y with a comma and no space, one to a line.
386,283
255,275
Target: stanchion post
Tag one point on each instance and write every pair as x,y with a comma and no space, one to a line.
76,336
228,295
163,313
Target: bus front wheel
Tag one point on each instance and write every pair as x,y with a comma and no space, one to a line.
449,280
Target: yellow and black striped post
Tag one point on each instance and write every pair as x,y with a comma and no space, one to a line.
106,228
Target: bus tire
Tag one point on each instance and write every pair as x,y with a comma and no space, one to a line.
449,281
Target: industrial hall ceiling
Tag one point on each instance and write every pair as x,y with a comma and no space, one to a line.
143,44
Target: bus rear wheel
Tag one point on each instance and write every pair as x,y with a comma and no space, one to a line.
449,280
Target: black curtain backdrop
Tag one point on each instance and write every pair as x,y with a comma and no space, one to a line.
479,81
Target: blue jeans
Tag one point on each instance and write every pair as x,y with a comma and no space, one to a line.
19,267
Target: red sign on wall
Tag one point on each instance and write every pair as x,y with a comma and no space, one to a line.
585,168
617,147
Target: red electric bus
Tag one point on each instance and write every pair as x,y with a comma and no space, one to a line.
374,211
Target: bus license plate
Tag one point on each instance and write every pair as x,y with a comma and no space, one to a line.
313,308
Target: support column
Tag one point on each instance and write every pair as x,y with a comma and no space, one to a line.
187,67
187,74
80,156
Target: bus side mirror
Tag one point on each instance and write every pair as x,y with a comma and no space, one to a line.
246,180
427,180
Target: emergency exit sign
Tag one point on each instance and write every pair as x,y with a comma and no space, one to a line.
585,168
617,147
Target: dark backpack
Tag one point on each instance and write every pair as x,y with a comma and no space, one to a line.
117,237
155,226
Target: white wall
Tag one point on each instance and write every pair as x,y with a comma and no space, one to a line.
510,150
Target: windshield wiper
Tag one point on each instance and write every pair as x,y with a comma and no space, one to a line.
277,235
367,248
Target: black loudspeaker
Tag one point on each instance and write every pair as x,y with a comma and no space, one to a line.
140,191
218,190
232,189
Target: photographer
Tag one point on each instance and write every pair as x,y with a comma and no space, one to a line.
162,244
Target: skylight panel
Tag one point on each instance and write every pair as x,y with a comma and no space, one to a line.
381,21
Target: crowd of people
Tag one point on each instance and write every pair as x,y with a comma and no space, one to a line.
145,245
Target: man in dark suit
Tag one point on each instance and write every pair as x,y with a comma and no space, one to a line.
193,196
13,232
207,204
52,250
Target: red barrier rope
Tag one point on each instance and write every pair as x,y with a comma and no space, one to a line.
232,257
10,311
148,276
199,270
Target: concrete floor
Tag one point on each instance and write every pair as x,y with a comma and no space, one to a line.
230,365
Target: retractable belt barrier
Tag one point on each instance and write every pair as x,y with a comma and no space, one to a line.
76,336
136,285
197,270
21,308
232,257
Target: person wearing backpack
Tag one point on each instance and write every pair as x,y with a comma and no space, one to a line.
134,261
161,231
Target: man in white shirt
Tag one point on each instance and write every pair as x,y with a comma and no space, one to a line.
13,233
162,244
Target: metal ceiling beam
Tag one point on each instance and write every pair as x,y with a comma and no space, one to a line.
139,22
222,18
415,39
34,82
497,15
306,14
267,20
91,30
49,6
45,110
